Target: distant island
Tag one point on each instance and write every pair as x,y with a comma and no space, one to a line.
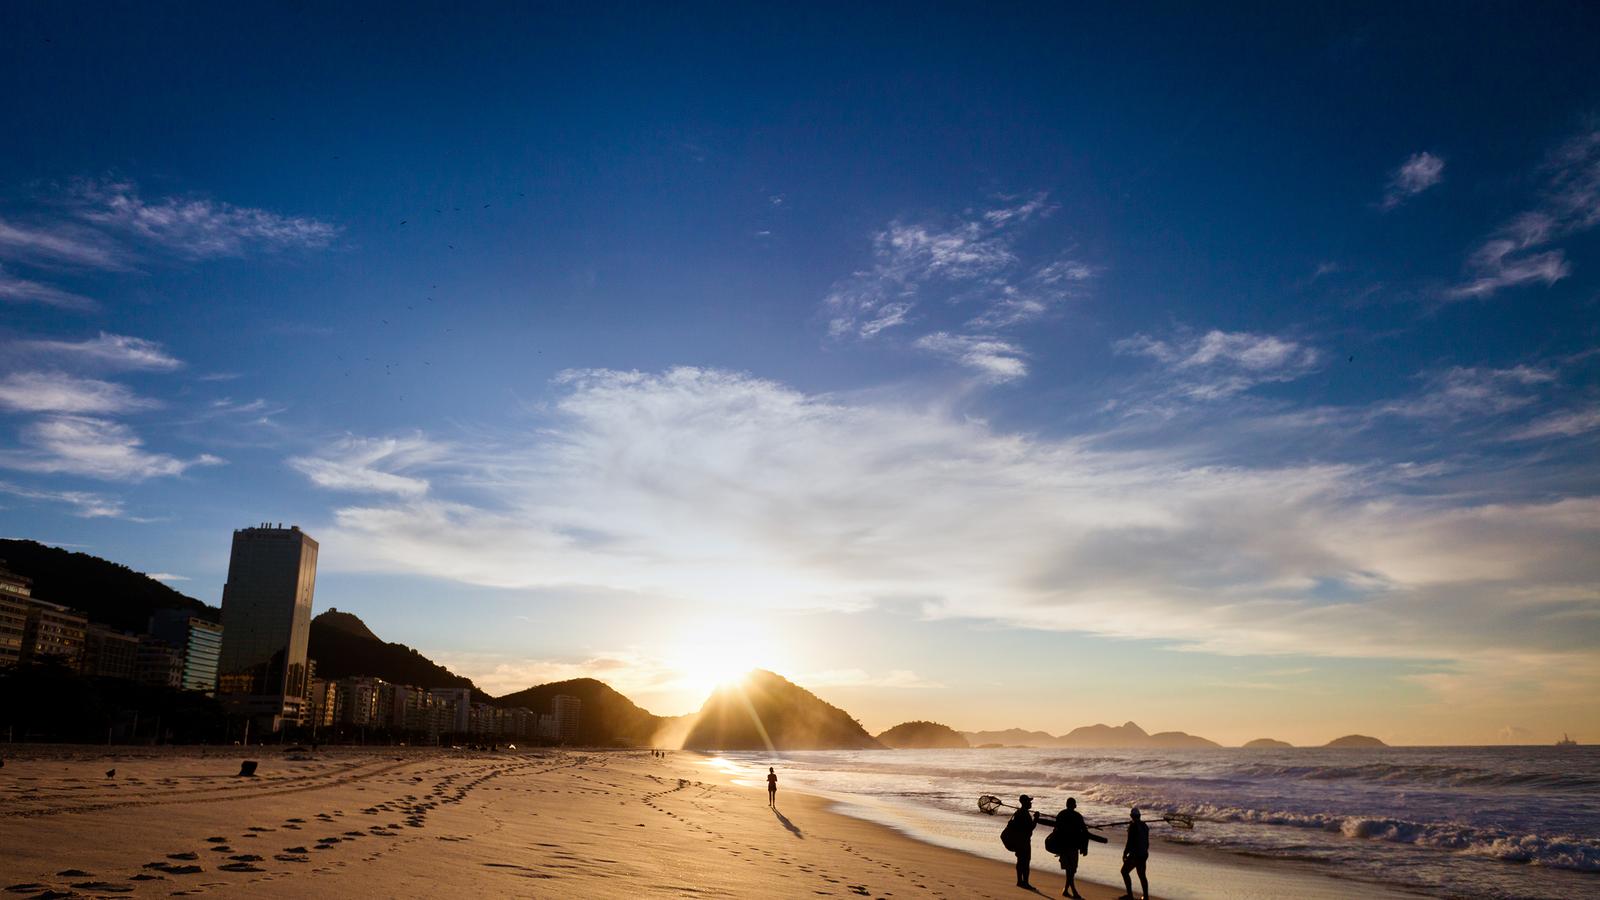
1125,736
923,736
1351,741
1267,744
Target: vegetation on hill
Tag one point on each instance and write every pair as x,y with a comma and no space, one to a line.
765,710
923,736
1356,741
606,719
342,645
105,591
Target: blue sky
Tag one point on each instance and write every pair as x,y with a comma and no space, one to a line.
936,358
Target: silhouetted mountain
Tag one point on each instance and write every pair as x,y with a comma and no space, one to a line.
923,736
107,592
766,710
1355,740
1126,735
606,719
1267,744
1011,737
343,645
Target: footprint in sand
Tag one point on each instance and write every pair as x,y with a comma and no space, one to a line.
185,855
240,867
103,887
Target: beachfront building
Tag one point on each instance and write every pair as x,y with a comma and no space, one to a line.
198,641
15,592
322,703
159,663
566,711
364,702
266,618
109,653
53,632
454,709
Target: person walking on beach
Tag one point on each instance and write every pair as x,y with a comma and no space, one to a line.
1018,837
772,788
1071,839
1135,854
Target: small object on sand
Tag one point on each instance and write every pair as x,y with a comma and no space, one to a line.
111,773
247,769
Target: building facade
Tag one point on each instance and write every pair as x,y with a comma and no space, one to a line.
108,653
53,632
199,642
160,664
15,592
266,618
566,710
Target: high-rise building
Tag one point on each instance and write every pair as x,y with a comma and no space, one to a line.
53,632
565,709
266,618
454,707
199,641
159,663
108,653
15,592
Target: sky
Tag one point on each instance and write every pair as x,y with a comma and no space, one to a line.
1227,371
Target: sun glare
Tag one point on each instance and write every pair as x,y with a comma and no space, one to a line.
718,652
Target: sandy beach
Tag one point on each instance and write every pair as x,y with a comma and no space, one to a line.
396,822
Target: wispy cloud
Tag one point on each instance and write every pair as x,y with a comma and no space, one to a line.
992,358
15,289
84,504
721,487
59,392
1463,391
371,466
60,242
1568,423
1419,172
93,447
168,576
194,227
109,351
1520,251
973,258
1219,364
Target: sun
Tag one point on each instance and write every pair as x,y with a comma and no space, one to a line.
718,652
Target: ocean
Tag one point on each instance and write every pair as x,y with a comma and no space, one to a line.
1498,822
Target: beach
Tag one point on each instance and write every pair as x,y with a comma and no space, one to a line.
400,822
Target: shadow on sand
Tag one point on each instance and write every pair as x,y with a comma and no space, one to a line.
784,821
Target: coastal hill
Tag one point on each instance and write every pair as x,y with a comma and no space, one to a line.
606,718
1125,736
108,592
764,710
1355,741
343,645
1267,744
923,736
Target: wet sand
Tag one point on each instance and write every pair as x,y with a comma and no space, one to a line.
405,823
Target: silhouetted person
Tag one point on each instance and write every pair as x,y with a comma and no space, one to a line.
772,788
1135,854
1072,837
1021,843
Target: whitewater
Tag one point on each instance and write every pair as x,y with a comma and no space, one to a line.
1499,822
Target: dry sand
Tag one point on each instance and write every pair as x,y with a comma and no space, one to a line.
431,823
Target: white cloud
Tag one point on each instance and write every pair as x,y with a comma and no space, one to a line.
20,290
60,243
993,358
1419,172
371,466
713,486
1219,364
93,447
1465,391
1561,424
57,392
111,351
194,227
84,504
975,255
1519,252
168,576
